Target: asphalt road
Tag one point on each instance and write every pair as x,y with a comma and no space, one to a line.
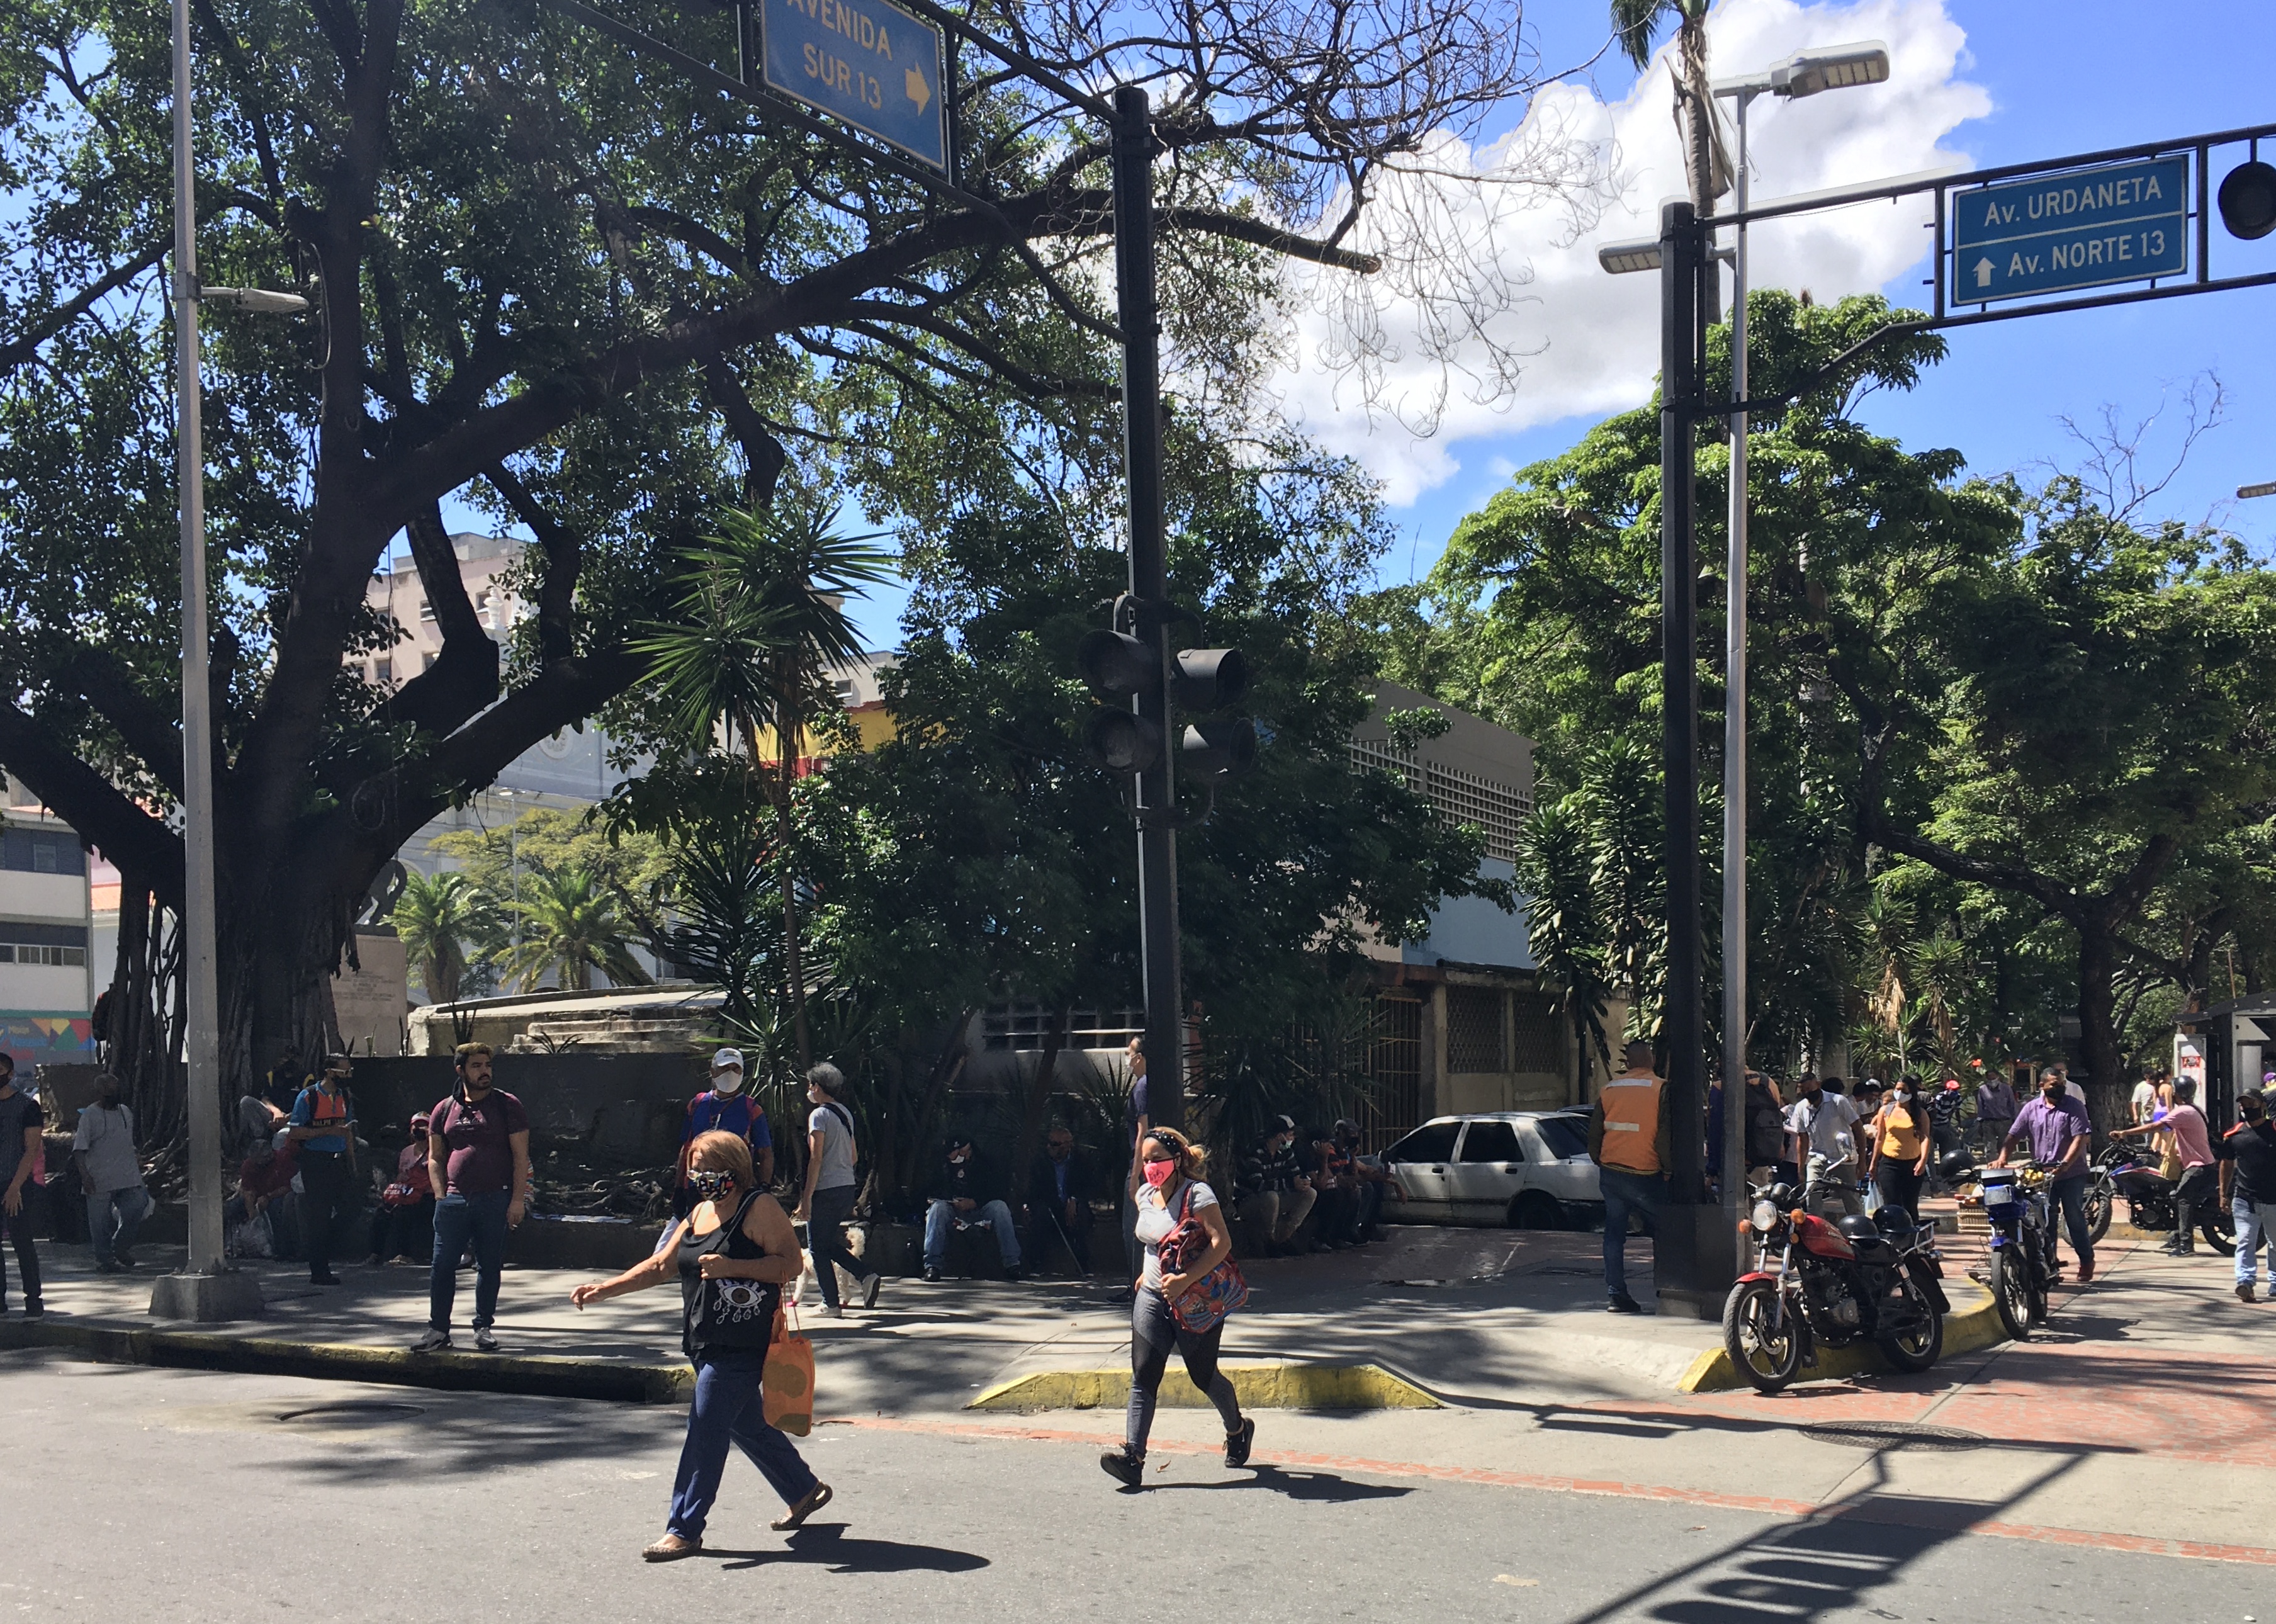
164,1496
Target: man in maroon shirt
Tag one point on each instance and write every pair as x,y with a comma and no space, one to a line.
478,1165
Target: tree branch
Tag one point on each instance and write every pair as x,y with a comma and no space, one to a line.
92,805
154,735
27,343
763,456
557,594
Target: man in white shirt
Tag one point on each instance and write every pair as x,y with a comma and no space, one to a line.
2143,1105
1824,1125
110,1173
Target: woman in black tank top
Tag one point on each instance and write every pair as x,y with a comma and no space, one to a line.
732,1256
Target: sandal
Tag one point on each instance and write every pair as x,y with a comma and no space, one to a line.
671,1548
816,1498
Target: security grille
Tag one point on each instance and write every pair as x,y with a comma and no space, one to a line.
1022,1027
1540,1034
1393,1107
1473,1029
1459,796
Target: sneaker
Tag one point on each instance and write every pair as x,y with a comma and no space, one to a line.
1125,1469
34,1310
2086,1271
1014,1272
105,1266
433,1342
326,1279
485,1342
1620,1302
126,1260
2243,1294
833,1310
1237,1444
931,1275
869,1289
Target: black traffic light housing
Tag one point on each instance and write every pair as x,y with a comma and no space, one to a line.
2247,200
1119,664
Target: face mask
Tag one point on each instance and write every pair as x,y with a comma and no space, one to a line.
729,1083
1157,1174
958,1161
710,1183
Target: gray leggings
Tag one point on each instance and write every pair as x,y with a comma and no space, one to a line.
1152,1334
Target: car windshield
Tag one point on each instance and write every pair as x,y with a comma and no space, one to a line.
1564,1135
1433,1141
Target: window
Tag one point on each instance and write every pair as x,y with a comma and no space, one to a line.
1433,1141
1023,1027
1564,1135
1492,1142
1540,1037
425,610
384,670
59,945
41,851
1459,797
843,687
1473,1029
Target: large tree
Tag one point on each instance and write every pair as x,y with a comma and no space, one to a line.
564,284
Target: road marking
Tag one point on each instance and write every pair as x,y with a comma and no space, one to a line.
1880,1510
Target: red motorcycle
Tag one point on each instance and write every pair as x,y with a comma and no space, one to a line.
1836,1282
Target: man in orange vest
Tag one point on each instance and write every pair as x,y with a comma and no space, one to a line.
1629,1142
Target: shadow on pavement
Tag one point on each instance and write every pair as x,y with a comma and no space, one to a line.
1324,1487
824,1544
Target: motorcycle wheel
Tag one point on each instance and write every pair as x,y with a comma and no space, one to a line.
2011,1293
1923,1347
2101,1202
2219,1231
1767,1357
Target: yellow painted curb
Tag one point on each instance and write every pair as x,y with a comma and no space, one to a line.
1969,1326
1261,1386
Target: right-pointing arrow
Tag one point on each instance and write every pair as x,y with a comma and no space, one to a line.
1984,273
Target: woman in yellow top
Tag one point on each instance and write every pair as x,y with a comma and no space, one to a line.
1900,1138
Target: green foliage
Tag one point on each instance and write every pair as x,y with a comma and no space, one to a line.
567,926
439,917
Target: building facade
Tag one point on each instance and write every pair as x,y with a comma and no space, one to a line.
51,972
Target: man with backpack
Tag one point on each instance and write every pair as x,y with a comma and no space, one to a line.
724,1108
478,1165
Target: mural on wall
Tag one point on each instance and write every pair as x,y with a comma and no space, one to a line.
35,1040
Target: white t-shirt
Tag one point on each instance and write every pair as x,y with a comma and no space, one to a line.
836,1170
2145,1100
1157,1218
106,1136
1826,1124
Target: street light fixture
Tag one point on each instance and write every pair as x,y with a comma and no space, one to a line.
2267,489
1805,74
1620,258
208,1288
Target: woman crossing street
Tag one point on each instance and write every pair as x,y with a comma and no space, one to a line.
733,1254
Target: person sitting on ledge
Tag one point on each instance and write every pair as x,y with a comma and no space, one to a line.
965,1193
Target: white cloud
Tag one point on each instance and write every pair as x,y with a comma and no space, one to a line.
1588,342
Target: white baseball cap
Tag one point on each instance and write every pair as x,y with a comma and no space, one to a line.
726,1058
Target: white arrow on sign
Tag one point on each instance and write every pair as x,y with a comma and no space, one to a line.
1984,273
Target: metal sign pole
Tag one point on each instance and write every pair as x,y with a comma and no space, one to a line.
1140,320
1731,1153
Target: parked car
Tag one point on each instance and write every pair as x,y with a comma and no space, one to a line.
1527,1169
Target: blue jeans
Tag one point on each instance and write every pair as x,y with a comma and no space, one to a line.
113,1218
2070,1199
825,1238
480,1219
2256,1222
939,1215
729,1409
1626,1193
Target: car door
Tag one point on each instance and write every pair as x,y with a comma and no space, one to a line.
1420,1163
1488,1171
1557,1148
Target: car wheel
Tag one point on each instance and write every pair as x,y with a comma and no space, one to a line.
1537,1209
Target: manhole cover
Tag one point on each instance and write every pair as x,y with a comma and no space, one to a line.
355,1410
1893,1434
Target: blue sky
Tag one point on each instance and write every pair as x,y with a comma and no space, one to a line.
1978,82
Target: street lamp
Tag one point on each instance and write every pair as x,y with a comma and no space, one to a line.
1804,74
208,1288
2267,489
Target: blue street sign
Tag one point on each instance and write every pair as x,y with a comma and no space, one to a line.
865,61
2126,222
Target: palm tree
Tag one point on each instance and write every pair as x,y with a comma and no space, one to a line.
1634,24
570,924
760,626
437,917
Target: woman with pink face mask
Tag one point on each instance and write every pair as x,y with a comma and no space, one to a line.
1165,1184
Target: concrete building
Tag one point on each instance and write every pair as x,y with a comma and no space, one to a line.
49,964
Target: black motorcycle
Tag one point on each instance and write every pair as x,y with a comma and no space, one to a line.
1837,1282
2126,1167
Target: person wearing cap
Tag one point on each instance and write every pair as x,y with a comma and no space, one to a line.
965,1192
322,1126
1350,1188
724,1108
403,1225
1275,1192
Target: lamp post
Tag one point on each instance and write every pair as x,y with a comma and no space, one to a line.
2267,489
208,1288
1804,74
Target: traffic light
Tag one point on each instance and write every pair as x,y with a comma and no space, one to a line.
1120,666
2248,200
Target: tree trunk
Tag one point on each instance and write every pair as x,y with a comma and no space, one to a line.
2098,1027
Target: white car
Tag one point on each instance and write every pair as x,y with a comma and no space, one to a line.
1527,1169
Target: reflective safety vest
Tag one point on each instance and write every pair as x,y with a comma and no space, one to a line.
1631,1106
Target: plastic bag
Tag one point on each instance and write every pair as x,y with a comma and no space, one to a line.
786,1387
253,1238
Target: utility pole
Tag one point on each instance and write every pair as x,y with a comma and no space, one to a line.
208,1288
1136,311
